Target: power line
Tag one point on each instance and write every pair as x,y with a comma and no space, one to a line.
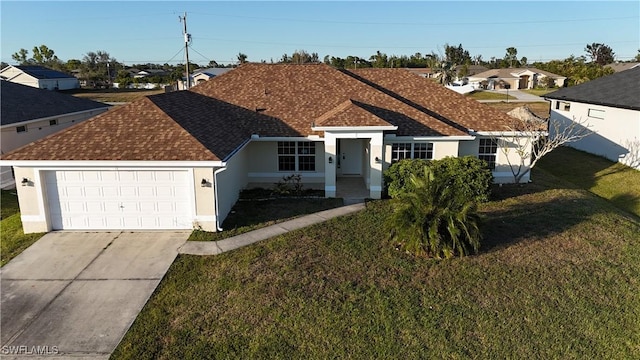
518,22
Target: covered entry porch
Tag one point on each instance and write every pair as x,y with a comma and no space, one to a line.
354,158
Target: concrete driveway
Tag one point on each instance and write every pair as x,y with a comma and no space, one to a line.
77,293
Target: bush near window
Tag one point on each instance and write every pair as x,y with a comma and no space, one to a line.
469,175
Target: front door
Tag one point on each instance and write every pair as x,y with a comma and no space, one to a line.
350,151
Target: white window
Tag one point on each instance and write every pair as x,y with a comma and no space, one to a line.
418,150
488,151
22,128
595,113
563,105
296,156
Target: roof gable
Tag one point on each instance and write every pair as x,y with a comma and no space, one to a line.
21,103
351,113
616,90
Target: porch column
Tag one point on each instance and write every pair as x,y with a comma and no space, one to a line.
375,180
330,161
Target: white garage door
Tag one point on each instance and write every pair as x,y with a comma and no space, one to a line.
112,200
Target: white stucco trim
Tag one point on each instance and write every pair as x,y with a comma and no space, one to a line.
330,188
284,173
389,138
5,126
508,133
356,129
375,188
259,138
109,164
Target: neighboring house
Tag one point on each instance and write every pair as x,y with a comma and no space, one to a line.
28,114
610,107
513,78
617,67
39,77
179,160
202,75
150,72
427,73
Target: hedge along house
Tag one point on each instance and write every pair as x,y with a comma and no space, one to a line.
178,160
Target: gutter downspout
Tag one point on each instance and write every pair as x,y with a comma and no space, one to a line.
215,195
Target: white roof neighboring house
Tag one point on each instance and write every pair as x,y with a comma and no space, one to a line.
610,107
39,77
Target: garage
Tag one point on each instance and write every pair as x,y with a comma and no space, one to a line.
119,199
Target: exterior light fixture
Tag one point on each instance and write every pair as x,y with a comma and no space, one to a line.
25,182
204,183
378,160
330,160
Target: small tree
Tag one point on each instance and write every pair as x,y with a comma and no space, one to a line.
530,140
434,219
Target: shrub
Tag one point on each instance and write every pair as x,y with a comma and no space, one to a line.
289,185
434,218
467,174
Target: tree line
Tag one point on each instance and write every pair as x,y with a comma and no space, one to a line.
99,66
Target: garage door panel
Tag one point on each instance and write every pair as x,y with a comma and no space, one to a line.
119,199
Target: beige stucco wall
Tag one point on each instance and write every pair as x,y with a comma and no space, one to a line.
31,200
204,199
33,207
262,166
230,181
616,136
506,155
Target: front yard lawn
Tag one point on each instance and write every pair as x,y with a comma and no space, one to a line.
8,203
487,95
558,276
251,215
613,181
12,240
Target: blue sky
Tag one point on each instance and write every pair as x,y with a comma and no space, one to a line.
149,31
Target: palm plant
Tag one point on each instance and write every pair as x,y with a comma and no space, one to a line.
435,219
446,72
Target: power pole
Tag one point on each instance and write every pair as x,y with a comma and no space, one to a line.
187,39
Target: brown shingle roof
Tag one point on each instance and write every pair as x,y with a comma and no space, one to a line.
213,119
459,111
350,113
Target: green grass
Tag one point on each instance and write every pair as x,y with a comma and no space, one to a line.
557,277
486,95
251,215
8,203
613,181
12,240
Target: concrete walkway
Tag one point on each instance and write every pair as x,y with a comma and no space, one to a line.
238,241
73,295
520,96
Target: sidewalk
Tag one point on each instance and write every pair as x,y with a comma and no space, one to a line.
238,241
